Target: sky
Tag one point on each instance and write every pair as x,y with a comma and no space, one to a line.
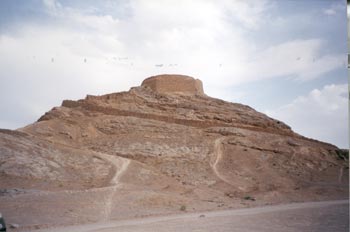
286,58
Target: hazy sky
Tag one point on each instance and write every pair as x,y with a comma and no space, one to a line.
285,58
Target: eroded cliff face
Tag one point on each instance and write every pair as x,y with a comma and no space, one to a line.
154,149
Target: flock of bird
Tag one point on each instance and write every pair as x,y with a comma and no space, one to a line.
120,59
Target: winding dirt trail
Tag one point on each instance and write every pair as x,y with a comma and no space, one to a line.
120,166
218,157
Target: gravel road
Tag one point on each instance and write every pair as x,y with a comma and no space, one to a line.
327,216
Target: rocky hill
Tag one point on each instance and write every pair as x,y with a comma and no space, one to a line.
160,148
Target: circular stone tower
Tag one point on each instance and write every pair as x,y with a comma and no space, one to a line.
173,83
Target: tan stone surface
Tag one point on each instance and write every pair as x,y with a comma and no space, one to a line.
174,84
147,152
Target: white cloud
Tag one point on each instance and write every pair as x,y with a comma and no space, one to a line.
250,13
300,58
334,9
202,38
205,39
322,114
52,5
330,12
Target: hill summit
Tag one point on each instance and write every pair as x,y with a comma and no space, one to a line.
159,148
174,84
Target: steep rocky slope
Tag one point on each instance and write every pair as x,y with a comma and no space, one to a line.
159,148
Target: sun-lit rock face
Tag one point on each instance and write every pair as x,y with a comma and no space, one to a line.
154,149
171,83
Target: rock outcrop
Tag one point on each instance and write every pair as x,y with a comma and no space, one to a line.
154,149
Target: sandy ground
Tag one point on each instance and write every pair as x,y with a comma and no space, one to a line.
310,216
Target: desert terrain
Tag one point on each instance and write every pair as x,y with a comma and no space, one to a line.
161,148
310,216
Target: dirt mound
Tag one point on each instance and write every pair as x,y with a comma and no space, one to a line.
153,151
